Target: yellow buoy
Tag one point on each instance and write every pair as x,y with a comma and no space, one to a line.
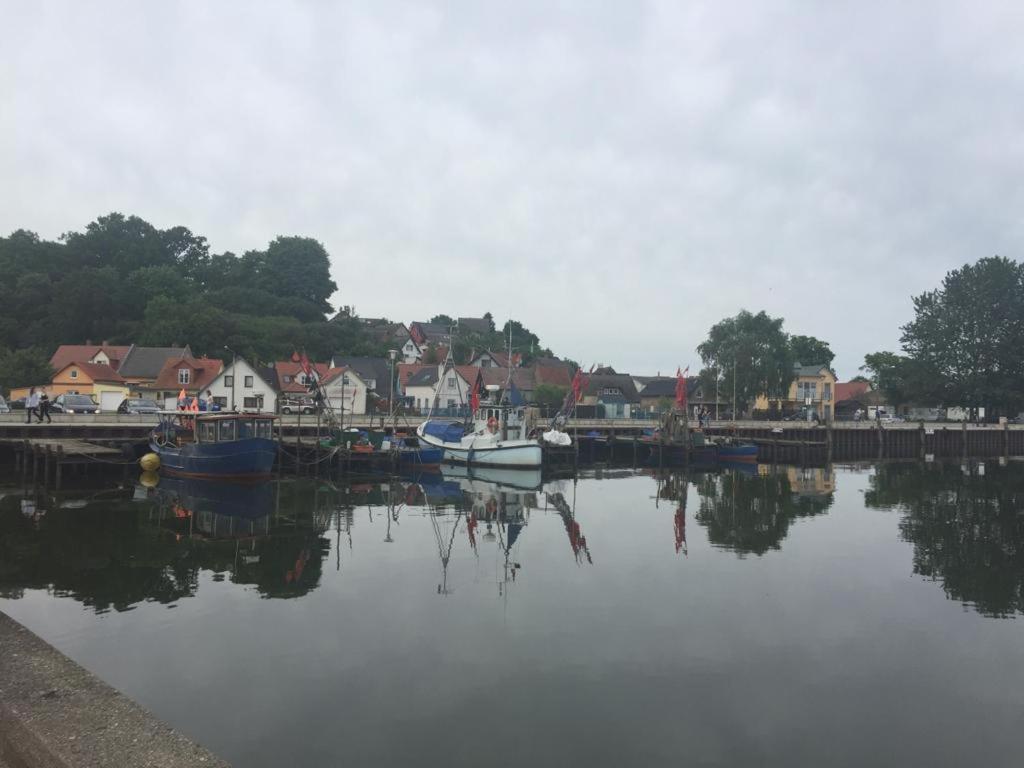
150,462
149,479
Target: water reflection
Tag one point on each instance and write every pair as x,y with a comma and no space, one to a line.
750,512
966,525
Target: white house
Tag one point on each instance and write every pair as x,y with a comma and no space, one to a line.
241,386
346,391
453,389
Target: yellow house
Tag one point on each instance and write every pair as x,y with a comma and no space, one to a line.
101,381
813,387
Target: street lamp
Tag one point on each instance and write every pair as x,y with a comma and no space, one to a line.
234,359
392,353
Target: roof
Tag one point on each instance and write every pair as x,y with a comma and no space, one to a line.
621,381
100,372
81,353
376,368
665,386
553,372
205,370
426,377
523,378
404,371
292,369
810,370
500,358
423,333
851,390
146,362
475,324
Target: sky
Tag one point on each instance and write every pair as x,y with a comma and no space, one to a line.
617,176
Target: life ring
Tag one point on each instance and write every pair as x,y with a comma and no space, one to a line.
492,424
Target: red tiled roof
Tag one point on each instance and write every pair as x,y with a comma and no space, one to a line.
81,353
851,390
523,378
204,371
292,369
96,372
558,375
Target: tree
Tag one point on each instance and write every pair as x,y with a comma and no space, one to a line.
811,351
752,352
24,368
549,395
969,336
444,320
297,267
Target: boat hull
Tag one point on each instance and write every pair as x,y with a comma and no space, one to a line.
511,453
247,458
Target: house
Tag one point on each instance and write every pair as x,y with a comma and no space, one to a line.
613,394
375,372
850,397
812,387
480,325
101,381
346,391
427,334
292,380
393,336
552,372
104,354
192,374
450,392
240,386
141,365
523,380
661,390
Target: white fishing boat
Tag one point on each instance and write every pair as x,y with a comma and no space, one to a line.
493,437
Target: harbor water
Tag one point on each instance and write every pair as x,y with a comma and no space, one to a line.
774,616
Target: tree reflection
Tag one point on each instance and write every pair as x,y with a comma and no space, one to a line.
750,512
966,526
113,553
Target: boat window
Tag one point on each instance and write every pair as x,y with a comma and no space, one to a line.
245,429
227,430
207,432
264,428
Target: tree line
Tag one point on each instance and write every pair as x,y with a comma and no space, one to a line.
123,280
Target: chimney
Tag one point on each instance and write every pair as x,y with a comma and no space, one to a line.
105,343
88,342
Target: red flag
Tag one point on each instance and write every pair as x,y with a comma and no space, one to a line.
474,401
304,362
577,385
681,388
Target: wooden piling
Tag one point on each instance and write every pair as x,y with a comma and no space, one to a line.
59,465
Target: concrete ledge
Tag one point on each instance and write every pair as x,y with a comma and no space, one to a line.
55,714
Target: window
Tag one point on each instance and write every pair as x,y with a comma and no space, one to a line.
250,402
184,375
485,363
226,430
221,401
286,379
827,396
451,382
207,432
74,373
229,381
451,403
264,428
345,379
248,382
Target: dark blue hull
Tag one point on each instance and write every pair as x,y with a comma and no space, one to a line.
428,457
249,457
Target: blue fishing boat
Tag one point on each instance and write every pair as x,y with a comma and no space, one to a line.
413,453
216,445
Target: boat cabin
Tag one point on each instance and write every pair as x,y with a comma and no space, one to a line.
218,427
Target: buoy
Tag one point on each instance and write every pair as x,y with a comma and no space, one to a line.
150,462
149,479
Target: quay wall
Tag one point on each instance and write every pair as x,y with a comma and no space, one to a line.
55,714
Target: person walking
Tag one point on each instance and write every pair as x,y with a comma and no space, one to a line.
44,407
31,405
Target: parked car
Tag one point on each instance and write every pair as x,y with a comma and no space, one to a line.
136,405
74,404
297,405
17,405
4,407
888,418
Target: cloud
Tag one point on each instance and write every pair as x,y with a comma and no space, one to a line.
617,176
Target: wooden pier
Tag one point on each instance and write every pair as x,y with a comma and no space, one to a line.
41,456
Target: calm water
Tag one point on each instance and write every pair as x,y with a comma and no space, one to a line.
804,617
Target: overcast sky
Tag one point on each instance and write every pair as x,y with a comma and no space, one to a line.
619,176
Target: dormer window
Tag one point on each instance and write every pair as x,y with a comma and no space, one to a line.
74,373
184,375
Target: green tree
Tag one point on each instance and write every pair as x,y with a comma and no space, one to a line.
751,351
24,368
298,268
445,320
969,336
811,351
549,395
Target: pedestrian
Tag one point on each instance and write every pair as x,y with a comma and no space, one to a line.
31,405
44,408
